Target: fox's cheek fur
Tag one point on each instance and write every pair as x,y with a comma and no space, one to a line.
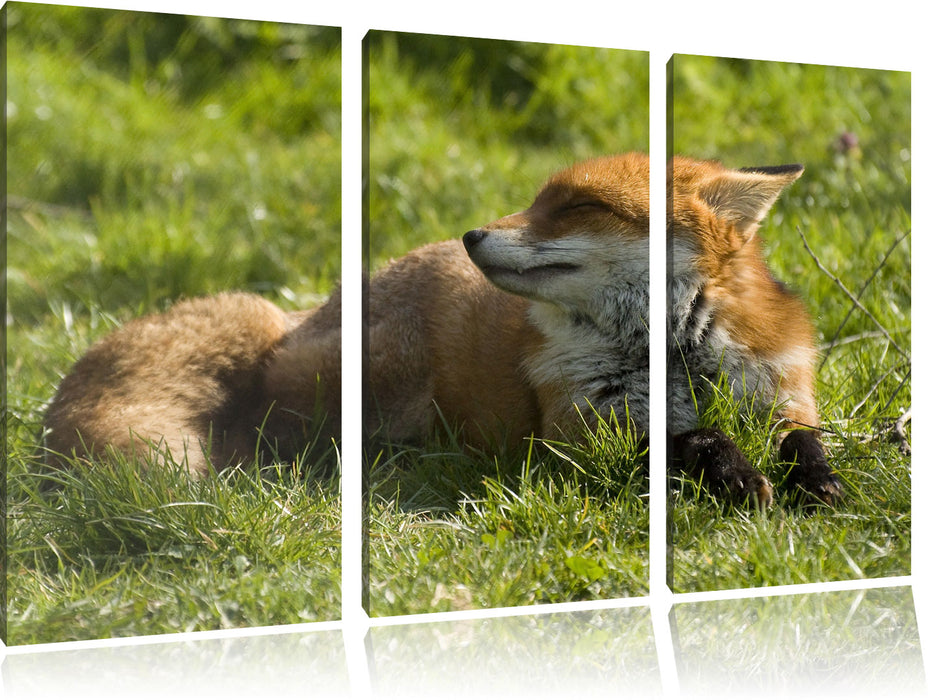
574,271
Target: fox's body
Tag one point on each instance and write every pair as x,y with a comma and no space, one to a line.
528,326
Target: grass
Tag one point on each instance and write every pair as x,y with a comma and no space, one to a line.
454,530
120,555
462,132
840,232
153,157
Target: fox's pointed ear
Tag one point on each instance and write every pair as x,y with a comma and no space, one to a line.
743,197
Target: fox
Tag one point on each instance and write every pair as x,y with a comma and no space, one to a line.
535,324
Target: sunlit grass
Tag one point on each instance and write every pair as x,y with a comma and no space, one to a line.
455,529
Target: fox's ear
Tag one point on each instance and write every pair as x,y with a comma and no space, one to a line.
743,197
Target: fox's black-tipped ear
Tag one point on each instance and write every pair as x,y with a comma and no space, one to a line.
743,197
791,169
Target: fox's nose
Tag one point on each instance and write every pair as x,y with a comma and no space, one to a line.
473,237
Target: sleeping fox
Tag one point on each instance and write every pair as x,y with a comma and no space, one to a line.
525,326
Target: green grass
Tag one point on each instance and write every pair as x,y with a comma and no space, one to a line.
110,554
851,207
463,132
154,157
451,529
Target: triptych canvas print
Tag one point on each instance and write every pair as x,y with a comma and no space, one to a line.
174,374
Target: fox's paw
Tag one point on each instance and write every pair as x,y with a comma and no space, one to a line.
712,455
810,472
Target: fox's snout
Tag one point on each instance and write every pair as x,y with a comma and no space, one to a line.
473,238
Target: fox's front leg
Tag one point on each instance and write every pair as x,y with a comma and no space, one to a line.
810,471
709,454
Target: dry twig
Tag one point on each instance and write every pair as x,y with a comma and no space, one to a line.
856,304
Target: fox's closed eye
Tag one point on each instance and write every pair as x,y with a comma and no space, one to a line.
585,204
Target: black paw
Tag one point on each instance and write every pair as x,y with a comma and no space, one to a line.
810,472
710,454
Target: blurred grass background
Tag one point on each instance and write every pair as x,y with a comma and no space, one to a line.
463,131
152,157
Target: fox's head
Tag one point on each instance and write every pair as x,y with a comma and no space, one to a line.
717,277
585,231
